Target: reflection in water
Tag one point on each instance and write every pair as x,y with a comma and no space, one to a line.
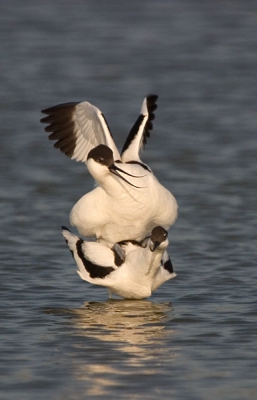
125,337
132,322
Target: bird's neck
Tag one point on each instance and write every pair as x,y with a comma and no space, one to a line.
111,185
154,261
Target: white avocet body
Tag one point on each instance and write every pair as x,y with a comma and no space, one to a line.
145,267
127,206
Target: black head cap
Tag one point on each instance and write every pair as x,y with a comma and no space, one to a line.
102,154
159,234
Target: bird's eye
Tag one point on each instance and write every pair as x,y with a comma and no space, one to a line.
101,160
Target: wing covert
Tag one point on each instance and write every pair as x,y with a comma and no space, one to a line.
77,128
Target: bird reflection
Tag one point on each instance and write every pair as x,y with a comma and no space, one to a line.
132,322
118,338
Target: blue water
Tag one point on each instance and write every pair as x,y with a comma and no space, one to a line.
195,338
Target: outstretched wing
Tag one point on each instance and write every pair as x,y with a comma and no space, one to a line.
77,128
140,131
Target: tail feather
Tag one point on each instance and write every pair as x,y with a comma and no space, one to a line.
70,238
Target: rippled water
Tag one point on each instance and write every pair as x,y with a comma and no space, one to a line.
195,338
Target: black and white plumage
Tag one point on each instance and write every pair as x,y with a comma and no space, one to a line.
129,201
78,127
146,265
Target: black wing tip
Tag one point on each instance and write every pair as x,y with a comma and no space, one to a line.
64,228
151,100
151,105
45,119
60,124
59,107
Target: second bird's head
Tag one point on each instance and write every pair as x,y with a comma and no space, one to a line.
158,239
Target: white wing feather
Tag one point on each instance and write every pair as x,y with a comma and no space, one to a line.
77,129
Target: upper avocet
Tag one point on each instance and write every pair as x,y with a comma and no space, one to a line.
128,201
